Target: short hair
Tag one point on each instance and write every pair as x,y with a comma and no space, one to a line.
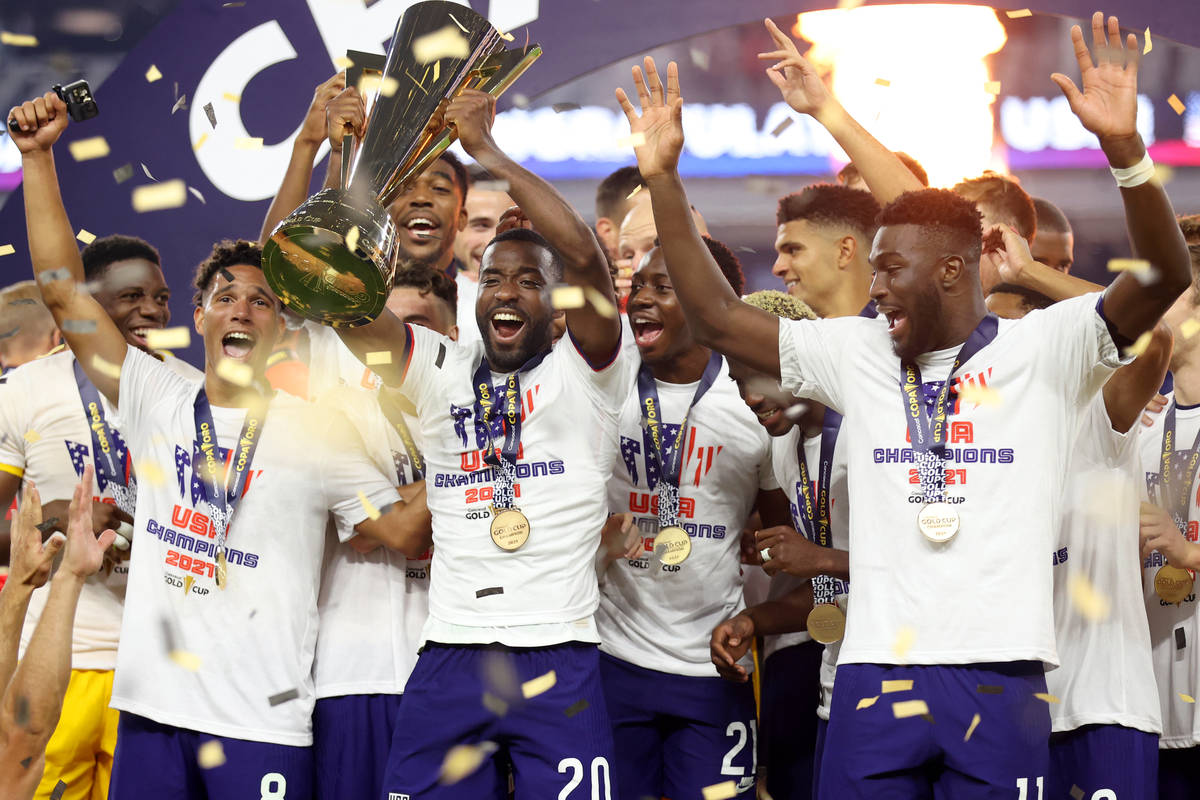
944,213
1050,217
530,236
730,266
225,253
21,306
461,181
1190,225
614,190
827,204
781,304
1004,198
426,279
107,250
1030,299
850,172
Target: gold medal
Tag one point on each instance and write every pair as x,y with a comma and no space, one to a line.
826,623
672,545
222,571
510,528
1173,584
938,522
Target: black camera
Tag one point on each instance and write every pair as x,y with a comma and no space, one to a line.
81,104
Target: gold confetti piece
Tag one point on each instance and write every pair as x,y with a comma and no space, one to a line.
1086,600
1187,698
211,754
352,238
443,43
1076,793
992,87
904,642
105,368
1149,45
1024,12
231,97
538,685
155,197
699,58
1163,174
978,394
247,143
85,236
379,357
566,297
508,37
462,760
7,249
633,194
782,126
153,74
377,83
235,372
1176,105
602,304
1047,698
494,704
368,506
456,22
149,472
1189,328
1139,347
909,708
168,338
897,686
633,140
182,658
866,702
1127,264
882,82
200,142
720,791
87,149
341,62
437,71
973,726
33,437
18,39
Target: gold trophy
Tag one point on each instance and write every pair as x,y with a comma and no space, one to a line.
332,259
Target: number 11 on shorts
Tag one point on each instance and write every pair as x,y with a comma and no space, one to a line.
1023,787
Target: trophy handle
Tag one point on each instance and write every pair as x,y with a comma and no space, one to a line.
347,159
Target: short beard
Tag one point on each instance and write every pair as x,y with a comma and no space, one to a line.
538,338
921,339
407,261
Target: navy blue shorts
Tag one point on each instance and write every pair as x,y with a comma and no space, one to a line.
1178,773
791,693
160,761
676,734
872,754
1105,762
559,741
352,736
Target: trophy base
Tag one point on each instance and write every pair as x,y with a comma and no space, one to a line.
332,260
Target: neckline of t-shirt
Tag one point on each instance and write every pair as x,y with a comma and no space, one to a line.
677,387
1192,407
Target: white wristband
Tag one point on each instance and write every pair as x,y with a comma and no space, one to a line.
1139,173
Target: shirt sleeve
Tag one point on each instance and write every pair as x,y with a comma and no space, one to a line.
349,476
1080,349
427,354
608,383
812,355
766,471
14,424
146,387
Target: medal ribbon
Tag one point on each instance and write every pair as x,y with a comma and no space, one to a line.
928,434
391,409
222,490
1177,497
668,456
107,455
504,466
817,527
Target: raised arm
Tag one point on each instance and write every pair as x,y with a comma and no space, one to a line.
1107,107
596,330
717,316
90,333
1006,254
803,90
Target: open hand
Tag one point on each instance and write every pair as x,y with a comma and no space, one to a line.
1107,106
30,560
41,122
85,550
797,80
660,124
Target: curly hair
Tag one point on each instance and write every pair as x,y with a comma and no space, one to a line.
830,205
107,250
730,266
942,213
1002,198
426,279
530,236
225,253
781,304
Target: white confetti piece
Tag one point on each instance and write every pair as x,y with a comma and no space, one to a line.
210,755
123,173
720,791
52,275
909,708
168,338
235,372
146,170
896,686
443,43
87,149
538,685
972,727
18,39
180,103
700,58
85,236
155,197
211,114
192,190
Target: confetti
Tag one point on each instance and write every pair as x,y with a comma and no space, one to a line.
59,789
18,39
87,149
368,506
79,325
978,394
909,708
235,372
576,707
1176,105
248,143
123,173
1189,328
633,194
52,275
150,472
602,304
1139,347
904,642
538,685
283,697
700,58
1127,264
1090,603
85,236
866,702
227,275
992,87
456,22
897,686
442,43
231,97
1024,12
182,658
105,368
379,357
1149,45
633,140
47,526
882,82
566,297
462,760
973,726
237,4
156,197
520,100
168,338
352,239
179,103
849,3
9,334
561,107
211,114
1163,174
983,688
782,126
1046,698
25,762
153,74
196,193
720,791
7,249
22,711
341,62
211,754
494,704
1076,793
146,170
1187,698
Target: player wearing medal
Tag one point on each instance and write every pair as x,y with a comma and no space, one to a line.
926,629
235,486
53,422
694,465
520,436
1171,556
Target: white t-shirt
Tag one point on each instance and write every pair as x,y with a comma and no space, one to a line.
955,603
468,292
544,592
254,639
1106,675
1173,628
45,438
660,616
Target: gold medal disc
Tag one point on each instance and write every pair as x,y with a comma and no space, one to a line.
672,545
826,623
938,522
1173,584
222,571
510,528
